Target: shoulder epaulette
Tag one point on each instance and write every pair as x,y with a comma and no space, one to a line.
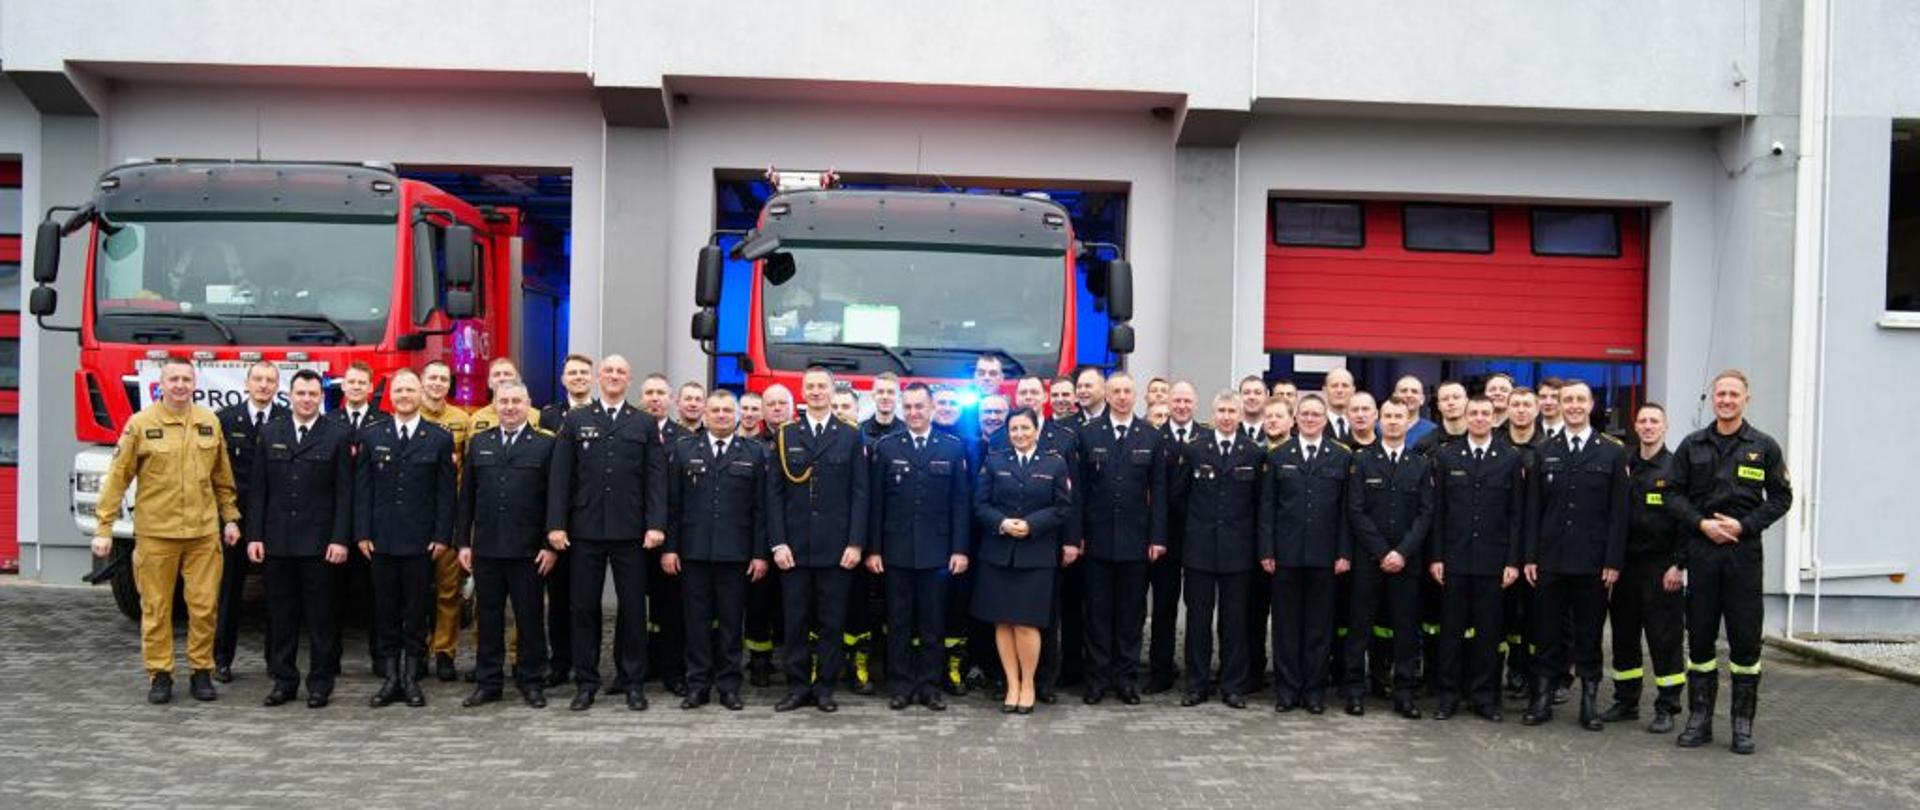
1340,444
1612,438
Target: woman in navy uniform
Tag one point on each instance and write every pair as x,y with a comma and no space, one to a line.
1023,500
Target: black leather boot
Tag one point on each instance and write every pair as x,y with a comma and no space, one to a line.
1702,689
1590,704
1746,698
1626,701
410,688
389,690
1539,701
1666,704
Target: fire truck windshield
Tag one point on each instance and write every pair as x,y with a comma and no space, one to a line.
264,281
944,299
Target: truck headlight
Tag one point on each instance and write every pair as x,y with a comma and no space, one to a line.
87,482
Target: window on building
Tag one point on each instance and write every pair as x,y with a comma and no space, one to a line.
10,364
12,217
1448,228
9,440
1903,220
1576,232
1318,223
9,286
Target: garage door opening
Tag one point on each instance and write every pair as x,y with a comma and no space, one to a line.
544,197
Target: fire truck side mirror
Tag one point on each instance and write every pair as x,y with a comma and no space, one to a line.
460,304
1120,291
460,255
1120,338
46,252
706,325
43,301
707,282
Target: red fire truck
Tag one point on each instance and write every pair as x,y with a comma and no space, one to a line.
306,265
917,283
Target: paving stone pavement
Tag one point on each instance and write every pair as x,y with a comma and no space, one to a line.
75,731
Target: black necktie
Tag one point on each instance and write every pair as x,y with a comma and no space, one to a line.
300,436
1576,445
1226,448
405,434
1479,453
354,417
611,413
508,443
919,443
719,448
1393,457
259,419
1310,451
1120,433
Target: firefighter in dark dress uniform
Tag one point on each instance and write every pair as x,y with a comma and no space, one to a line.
1480,520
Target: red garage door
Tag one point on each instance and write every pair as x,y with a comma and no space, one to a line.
11,223
1410,278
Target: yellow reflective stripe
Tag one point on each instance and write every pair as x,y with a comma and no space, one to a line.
1737,669
1670,680
951,642
1430,629
1340,632
1710,665
1471,632
1514,638
1630,674
1502,649
759,646
1656,499
1382,632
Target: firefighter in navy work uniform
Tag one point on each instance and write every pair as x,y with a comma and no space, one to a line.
303,490
1164,578
1729,484
1479,528
1123,476
720,501
405,483
1217,484
606,502
920,517
1304,544
1390,502
823,501
242,423
357,412
184,509
1644,601
1574,552
503,507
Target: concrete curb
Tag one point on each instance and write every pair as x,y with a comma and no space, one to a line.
1805,650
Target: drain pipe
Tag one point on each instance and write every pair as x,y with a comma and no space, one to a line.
1809,305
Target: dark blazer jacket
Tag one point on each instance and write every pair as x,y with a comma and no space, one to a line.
1041,494
608,478
303,491
405,495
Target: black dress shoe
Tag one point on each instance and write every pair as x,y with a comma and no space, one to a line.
1094,696
899,702
443,668
318,700
534,696
481,696
694,700
1405,708
161,689
223,673
730,701
1047,696
1445,711
1284,705
582,701
676,686
1490,713
827,704
1192,699
1316,707
793,701
1235,701
200,685
1356,706
636,700
1130,697
935,702
278,695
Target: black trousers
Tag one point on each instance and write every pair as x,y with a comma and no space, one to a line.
1072,663
1259,626
815,602
494,582
300,595
1302,632
1217,606
402,604
1390,601
1342,629
714,611
1163,589
865,609
1523,640
1116,616
916,629
591,561
559,587
1723,584
1640,606
1556,596
356,569
1049,673
233,585
667,626
1470,640
766,622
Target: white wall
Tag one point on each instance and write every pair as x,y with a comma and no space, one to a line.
1132,148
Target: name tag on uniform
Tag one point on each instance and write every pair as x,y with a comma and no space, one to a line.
940,467
156,433
1656,499
1752,473
1042,477
204,430
1461,473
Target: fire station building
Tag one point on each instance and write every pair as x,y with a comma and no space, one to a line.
1637,194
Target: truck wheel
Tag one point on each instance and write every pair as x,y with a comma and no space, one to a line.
126,594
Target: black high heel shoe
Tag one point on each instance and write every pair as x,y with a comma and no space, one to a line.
1027,709
1008,708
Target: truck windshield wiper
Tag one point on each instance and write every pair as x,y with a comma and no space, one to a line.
1011,364
323,320
906,366
207,318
